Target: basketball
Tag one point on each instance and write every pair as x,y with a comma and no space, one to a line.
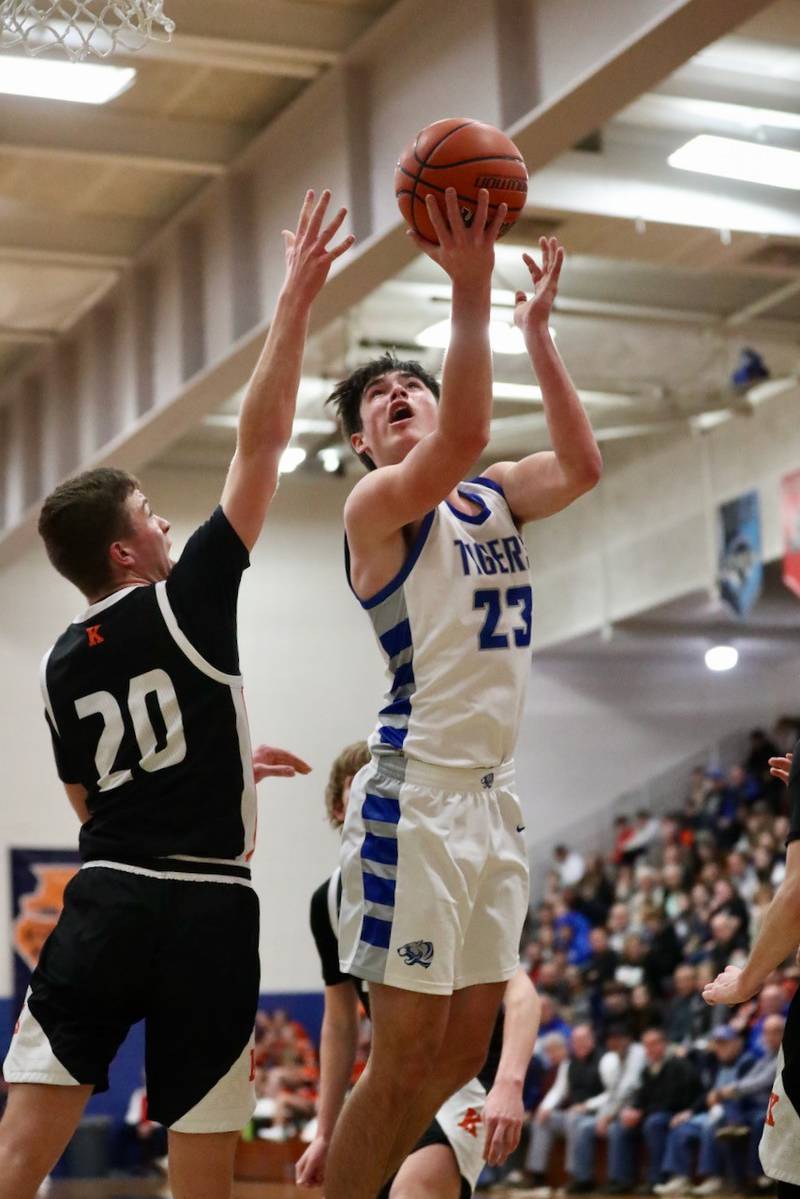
464,154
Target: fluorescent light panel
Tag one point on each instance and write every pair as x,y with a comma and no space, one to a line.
731,158
78,82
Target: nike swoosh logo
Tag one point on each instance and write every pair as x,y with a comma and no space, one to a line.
520,828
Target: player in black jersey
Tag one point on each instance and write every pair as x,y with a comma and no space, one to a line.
143,697
481,1122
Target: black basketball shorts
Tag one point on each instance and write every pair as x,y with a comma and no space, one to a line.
180,954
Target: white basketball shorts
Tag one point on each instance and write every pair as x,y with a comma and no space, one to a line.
434,876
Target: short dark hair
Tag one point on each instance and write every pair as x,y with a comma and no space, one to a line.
346,395
81,519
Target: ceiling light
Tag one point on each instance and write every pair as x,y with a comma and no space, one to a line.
331,460
721,657
290,459
532,392
734,159
84,83
503,337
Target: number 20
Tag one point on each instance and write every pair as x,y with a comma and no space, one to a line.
103,703
516,597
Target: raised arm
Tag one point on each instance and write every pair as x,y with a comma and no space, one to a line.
397,495
504,1111
546,482
265,420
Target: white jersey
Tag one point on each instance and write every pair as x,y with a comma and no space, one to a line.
454,626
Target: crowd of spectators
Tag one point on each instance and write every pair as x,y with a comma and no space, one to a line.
619,948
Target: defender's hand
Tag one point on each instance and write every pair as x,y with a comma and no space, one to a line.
310,1168
503,1114
269,762
465,252
528,313
308,259
728,988
779,767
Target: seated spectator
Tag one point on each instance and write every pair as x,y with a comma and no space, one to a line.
745,1102
572,934
618,925
645,1011
579,1088
645,832
751,1017
630,968
623,831
569,865
668,1085
551,1021
725,898
687,1018
698,1126
664,950
624,1070
602,964
615,1005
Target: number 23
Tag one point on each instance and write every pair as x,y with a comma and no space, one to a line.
515,597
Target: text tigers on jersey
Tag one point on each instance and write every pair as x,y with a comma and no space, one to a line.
499,556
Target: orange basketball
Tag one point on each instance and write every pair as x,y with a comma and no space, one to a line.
468,156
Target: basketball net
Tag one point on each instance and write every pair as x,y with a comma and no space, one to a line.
82,27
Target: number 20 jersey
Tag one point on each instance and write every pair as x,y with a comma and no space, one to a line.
145,706
454,627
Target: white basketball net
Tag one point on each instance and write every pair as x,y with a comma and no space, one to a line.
82,27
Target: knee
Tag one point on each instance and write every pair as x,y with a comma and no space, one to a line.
459,1068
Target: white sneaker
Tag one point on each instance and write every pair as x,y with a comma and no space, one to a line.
679,1185
711,1186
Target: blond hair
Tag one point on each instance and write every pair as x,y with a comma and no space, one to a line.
348,763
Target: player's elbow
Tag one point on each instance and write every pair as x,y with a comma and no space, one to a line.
590,471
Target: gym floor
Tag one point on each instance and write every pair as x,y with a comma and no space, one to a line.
147,1189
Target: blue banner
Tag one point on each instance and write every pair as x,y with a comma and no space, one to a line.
38,879
741,567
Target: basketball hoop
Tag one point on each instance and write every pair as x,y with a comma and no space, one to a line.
82,27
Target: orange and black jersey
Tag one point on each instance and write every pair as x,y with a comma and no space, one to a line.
144,701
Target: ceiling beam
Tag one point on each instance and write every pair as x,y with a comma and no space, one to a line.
198,305
40,128
64,237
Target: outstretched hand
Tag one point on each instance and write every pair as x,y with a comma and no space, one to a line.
308,258
269,762
465,249
529,312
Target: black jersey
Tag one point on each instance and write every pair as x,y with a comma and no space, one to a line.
325,904
144,700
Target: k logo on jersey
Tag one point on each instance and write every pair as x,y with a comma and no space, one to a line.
417,953
774,1100
472,1118
94,635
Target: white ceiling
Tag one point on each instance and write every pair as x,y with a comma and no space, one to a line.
668,275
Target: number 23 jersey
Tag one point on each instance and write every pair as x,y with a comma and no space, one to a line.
144,701
454,627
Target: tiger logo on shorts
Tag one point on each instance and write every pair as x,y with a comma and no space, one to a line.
417,953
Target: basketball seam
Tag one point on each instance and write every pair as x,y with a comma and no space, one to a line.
465,162
424,163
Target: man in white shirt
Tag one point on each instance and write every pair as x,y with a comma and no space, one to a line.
622,1063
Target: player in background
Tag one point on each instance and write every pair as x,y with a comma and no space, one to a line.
473,1127
143,697
778,937
434,863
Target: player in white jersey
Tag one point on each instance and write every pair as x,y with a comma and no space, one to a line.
434,866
